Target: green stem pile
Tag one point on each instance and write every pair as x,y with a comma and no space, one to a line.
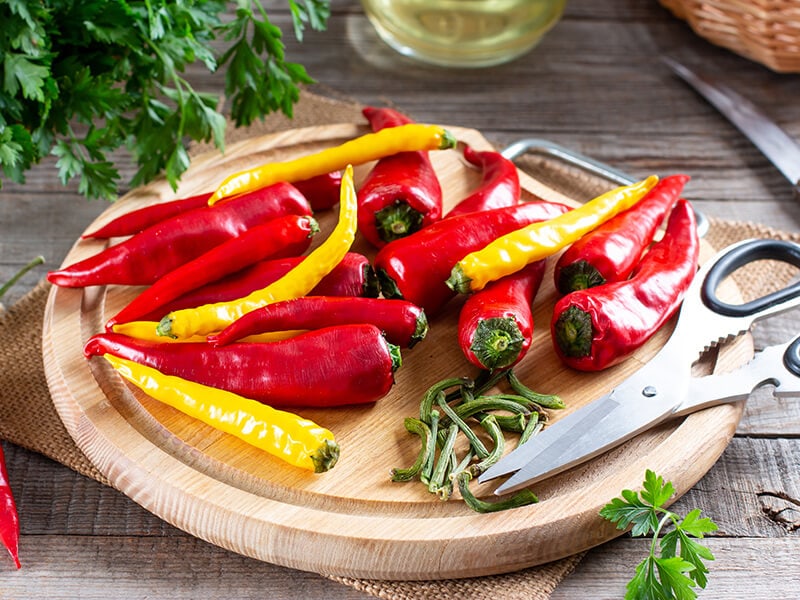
462,407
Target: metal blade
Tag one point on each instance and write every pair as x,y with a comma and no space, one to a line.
766,368
633,416
569,428
782,150
645,398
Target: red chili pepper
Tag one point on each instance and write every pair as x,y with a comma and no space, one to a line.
402,322
9,519
151,254
138,220
499,186
401,194
322,191
415,268
495,324
285,236
346,364
599,327
612,251
353,276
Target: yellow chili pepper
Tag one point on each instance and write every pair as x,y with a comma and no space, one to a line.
298,282
147,331
287,436
368,147
512,252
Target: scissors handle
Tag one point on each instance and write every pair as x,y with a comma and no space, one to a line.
739,256
791,358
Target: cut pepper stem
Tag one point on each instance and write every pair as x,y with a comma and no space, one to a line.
489,423
18,275
573,332
397,220
580,275
445,459
475,443
533,427
545,400
486,403
423,431
430,450
497,342
521,498
430,395
487,380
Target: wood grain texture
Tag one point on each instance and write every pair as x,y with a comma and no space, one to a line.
604,573
594,84
223,491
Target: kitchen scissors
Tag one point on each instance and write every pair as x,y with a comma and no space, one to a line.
664,387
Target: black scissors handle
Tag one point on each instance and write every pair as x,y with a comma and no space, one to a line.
791,358
737,257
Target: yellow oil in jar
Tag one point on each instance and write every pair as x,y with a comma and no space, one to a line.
463,33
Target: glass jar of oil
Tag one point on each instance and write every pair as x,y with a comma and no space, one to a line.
463,33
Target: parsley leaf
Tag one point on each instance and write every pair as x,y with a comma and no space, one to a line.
84,78
680,568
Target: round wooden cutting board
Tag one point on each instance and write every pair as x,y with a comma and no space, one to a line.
353,521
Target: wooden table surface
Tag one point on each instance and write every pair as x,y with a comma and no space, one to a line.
596,85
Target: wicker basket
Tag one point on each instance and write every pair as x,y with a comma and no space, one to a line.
766,31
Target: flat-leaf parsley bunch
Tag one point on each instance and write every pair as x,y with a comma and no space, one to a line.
82,78
679,568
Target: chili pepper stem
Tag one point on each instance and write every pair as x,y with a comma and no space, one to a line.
372,286
489,423
458,281
397,357
388,286
580,275
397,220
7,286
523,497
573,332
419,428
545,400
325,457
497,342
420,330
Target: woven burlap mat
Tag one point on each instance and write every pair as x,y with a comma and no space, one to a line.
29,419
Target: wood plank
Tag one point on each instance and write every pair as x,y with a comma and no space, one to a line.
752,491
763,569
176,567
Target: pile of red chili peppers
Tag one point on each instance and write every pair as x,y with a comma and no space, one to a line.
235,301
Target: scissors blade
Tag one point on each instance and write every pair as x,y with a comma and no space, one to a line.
782,150
568,428
645,398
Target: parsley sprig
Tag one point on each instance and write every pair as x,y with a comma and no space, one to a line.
80,79
679,568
